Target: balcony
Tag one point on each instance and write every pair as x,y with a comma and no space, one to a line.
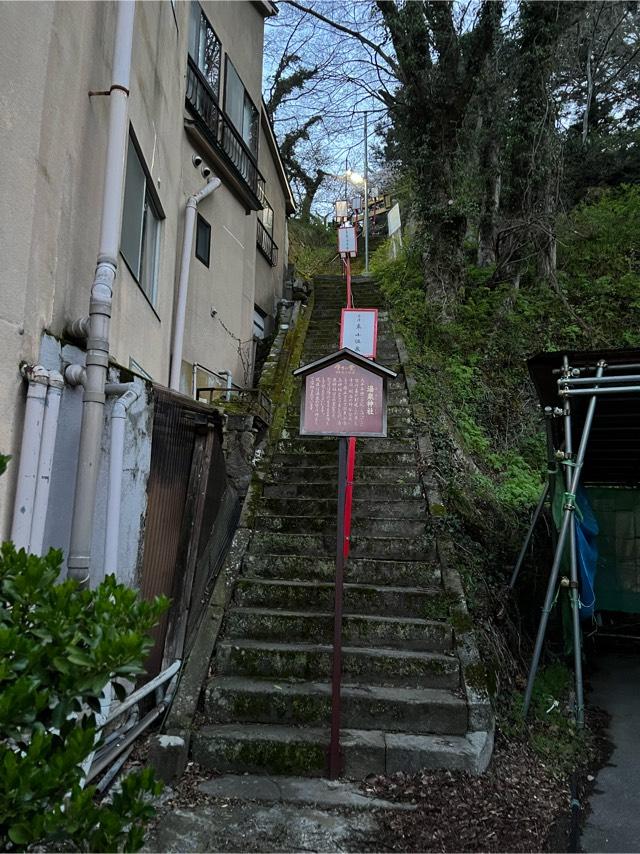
218,133
266,245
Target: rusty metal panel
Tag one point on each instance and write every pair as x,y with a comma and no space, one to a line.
177,423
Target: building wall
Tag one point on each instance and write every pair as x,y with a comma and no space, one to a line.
52,152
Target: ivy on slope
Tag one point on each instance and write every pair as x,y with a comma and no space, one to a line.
472,372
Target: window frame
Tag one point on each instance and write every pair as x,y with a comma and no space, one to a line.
214,92
202,221
246,97
266,207
150,201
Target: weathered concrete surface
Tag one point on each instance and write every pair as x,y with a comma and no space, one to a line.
321,793
614,821
246,826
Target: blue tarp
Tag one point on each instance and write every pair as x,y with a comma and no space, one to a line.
586,546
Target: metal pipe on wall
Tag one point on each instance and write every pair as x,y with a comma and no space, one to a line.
114,490
45,461
101,299
183,281
38,378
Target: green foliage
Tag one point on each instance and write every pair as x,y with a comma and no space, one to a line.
59,647
550,724
311,247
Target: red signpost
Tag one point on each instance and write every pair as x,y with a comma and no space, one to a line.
343,395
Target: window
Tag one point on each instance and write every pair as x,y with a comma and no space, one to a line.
204,47
203,240
240,108
266,217
259,319
139,239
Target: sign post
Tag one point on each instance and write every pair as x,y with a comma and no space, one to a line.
344,395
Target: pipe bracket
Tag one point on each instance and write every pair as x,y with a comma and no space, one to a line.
94,397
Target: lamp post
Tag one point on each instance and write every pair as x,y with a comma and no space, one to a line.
366,197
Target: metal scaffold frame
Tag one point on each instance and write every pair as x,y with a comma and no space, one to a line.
571,384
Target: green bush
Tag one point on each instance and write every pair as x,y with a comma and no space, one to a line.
59,647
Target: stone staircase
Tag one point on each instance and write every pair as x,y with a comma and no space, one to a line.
268,701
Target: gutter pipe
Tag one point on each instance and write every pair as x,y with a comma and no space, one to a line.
183,282
45,461
38,378
116,456
101,299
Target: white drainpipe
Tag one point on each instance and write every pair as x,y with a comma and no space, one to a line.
38,378
183,282
129,394
101,299
45,462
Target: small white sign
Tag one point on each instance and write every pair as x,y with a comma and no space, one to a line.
359,330
347,240
393,220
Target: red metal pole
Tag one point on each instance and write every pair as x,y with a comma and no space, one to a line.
348,501
335,753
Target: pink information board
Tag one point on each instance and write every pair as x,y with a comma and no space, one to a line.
343,399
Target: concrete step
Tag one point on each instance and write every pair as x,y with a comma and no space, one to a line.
397,573
391,490
360,665
325,445
357,630
274,750
329,474
311,545
288,595
363,459
366,526
231,699
395,429
410,509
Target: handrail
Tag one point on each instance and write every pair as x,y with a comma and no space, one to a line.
220,131
267,245
255,400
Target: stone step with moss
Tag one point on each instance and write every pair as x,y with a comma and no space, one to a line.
288,595
396,573
363,459
329,474
360,665
412,710
368,525
357,629
390,548
323,445
391,490
282,750
379,508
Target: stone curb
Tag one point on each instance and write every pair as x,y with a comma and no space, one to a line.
481,715
193,674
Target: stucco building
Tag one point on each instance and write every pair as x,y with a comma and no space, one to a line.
194,114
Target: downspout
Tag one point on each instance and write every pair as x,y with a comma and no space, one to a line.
45,463
101,299
38,378
183,282
116,457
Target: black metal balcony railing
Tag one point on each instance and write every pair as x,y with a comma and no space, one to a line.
220,132
266,245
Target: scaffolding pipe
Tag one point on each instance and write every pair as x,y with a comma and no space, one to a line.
553,576
610,379
101,300
587,392
573,586
527,539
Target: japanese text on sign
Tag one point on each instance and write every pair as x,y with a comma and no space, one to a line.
344,399
358,331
